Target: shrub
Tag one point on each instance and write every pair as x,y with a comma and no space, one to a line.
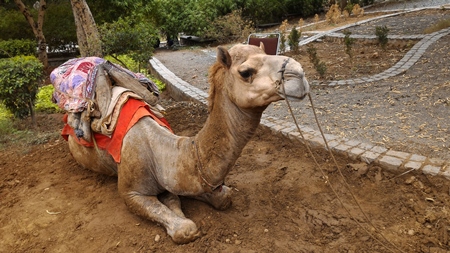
283,28
316,20
230,27
334,14
11,48
126,36
382,34
319,65
19,80
44,100
294,39
357,10
6,124
348,41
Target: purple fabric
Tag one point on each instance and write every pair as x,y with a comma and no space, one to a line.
73,82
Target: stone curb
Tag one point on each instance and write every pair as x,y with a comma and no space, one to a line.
391,160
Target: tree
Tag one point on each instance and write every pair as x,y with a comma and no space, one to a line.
37,27
128,37
88,36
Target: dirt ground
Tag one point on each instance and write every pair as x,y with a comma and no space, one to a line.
282,202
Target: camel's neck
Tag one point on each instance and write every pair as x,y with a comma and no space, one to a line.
225,133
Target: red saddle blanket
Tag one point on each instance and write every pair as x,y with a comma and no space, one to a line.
131,113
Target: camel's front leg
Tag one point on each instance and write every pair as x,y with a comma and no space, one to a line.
181,230
219,198
172,201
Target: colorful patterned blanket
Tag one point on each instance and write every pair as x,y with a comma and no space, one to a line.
74,82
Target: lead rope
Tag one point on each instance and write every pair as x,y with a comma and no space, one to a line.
337,166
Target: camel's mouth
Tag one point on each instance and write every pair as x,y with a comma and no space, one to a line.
292,98
294,88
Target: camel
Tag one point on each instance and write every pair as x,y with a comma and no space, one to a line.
158,166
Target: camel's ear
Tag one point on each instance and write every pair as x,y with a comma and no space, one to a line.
261,45
223,57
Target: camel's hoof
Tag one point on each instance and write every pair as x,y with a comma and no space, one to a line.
185,231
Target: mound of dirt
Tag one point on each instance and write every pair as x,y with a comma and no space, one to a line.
282,203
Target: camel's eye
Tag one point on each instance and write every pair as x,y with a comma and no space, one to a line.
247,73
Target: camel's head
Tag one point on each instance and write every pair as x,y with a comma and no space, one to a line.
255,79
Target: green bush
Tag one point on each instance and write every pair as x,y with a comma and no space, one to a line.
11,48
319,65
382,34
44,100
19,80
6,125
348,41
127,37
294,39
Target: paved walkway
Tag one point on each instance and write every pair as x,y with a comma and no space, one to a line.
391,160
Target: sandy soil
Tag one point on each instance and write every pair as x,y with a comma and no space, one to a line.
282,202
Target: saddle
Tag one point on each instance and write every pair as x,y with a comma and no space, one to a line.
93,91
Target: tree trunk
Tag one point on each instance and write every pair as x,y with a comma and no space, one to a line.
88,36
343,4
37,28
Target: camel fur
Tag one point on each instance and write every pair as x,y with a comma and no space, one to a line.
157,166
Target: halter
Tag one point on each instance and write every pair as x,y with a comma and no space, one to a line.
205,182
282,70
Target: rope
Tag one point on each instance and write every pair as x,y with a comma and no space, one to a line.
340,172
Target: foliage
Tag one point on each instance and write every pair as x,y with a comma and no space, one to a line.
283,28
334,14
19,79
125,61
382,34
230,27
11,48
13,25
349,7
348,41
44,100
161,85
190,17
269,11
59,25
441,24
294,39
319,65
6,125
316,20
357,10
126,36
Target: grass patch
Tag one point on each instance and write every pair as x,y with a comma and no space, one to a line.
441,24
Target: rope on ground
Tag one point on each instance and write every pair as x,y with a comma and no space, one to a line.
342,176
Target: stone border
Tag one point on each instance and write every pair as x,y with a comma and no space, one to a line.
391,160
